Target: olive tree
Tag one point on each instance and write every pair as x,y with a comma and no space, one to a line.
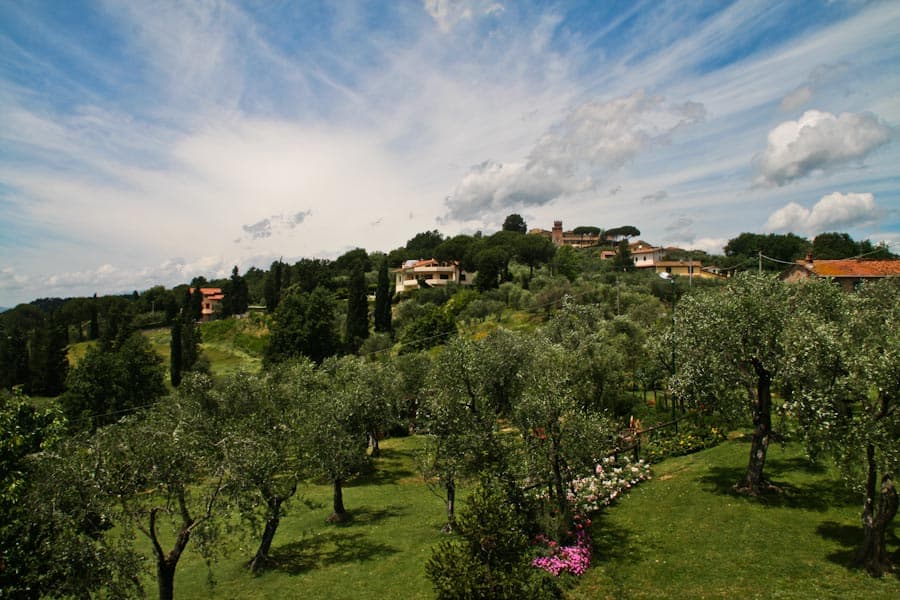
261,415
165,469
336,425
459,419
730,349
843,376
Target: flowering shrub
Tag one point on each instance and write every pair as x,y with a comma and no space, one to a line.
611,479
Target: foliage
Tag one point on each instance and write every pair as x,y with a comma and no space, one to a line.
842,376
625,231
490,557
166,468
565,263
383,300
730,350
107,384
264,455
623,261
356,327
515,223
460,420
337,420
52,527
303,326
689,439
534,250
745,249
561,438
431,328
423,245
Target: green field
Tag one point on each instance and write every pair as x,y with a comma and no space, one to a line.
681,535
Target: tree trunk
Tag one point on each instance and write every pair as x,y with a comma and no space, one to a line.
753,482
559,488
262,553
451,507
376,449
166,562
165,578
873,553
339,513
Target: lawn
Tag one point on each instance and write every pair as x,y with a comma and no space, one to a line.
686,535
379,554
681,535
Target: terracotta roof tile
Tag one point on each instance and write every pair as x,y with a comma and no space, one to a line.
852,267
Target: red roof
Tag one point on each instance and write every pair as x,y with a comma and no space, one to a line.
208,291
853,267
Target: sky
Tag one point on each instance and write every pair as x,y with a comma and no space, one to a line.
146,143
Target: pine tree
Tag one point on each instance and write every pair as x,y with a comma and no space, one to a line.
383,300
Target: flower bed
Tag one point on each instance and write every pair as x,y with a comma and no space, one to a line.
610,480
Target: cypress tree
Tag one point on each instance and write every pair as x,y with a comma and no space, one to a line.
94,332
175,354
383,300
357,325
196,311
190,343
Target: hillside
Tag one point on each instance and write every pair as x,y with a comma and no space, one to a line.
681,535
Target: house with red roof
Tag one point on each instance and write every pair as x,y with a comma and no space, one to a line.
212,302
849,272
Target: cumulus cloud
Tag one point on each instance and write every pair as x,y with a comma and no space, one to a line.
835,211
593,139
819,141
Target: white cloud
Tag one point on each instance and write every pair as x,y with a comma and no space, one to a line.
834,212
592,140
10,281
819,141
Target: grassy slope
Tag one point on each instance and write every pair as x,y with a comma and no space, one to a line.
681,535
685,535
379,554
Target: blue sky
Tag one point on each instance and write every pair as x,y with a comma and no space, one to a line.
149,142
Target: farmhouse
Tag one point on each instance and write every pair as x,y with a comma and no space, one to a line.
212,302
848,272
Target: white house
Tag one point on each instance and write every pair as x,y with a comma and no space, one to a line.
433,272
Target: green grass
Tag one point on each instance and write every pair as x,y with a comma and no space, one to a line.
230,345
687,535
682,535
379,554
